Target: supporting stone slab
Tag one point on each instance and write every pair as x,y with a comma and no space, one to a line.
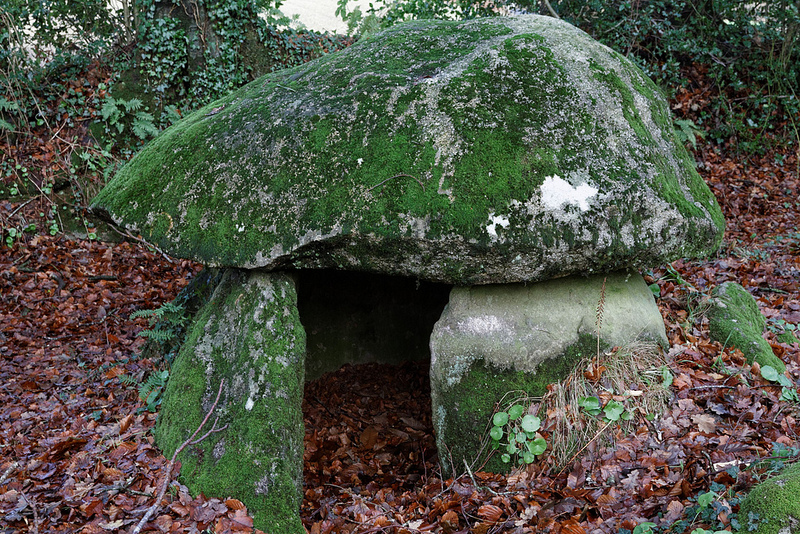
495,339
248,334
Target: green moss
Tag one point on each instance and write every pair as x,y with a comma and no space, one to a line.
787,337
471,403
448,123
775,502
624,92
735,321
248,334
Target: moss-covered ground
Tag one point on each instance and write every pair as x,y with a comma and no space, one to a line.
773,507
735,321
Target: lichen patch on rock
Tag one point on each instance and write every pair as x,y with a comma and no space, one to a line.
444,150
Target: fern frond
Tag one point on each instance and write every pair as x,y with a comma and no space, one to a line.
599,317
127,380
159,336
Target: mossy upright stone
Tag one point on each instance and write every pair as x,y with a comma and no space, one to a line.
495,339
471,152
735,321
773,506
249,335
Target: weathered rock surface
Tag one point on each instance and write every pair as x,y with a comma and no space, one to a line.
484,151
248,334
735,321
495,339
774,503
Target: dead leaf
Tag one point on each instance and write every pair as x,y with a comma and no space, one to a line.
449,522
706,423
369,437
490,513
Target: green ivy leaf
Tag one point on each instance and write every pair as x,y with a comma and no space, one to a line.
590,404
644,528
704,499
769,373
789,395
666,377
655,290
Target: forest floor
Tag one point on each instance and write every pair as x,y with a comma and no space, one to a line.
77,454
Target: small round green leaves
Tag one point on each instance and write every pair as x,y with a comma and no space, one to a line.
515,432
500,419
515,412
537,446
531,423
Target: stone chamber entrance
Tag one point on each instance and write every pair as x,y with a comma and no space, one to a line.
366,407
356,318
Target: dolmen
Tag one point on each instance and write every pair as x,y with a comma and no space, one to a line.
516,159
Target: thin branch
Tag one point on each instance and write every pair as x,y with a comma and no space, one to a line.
32,504
398,176
11,469
142,241
550,9
189,441
566,465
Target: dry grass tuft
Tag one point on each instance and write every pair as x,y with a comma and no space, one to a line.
631,375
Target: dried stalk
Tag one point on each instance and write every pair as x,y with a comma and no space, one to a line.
171,464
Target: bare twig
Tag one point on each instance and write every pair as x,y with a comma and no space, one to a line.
142,241
11,469
35,513
189,441
550,9
566,465
21,206
401,175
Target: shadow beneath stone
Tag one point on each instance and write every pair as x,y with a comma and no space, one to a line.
352,317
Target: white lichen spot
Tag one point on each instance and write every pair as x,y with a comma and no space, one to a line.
482,325
556,192
249,404
360,161
240,228
494,221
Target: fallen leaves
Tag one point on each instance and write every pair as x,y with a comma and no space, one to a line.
77,455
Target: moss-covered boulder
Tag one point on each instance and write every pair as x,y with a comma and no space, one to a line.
250,336
495,339
773,506
483,151
735,321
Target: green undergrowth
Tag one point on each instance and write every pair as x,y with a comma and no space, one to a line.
612,389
